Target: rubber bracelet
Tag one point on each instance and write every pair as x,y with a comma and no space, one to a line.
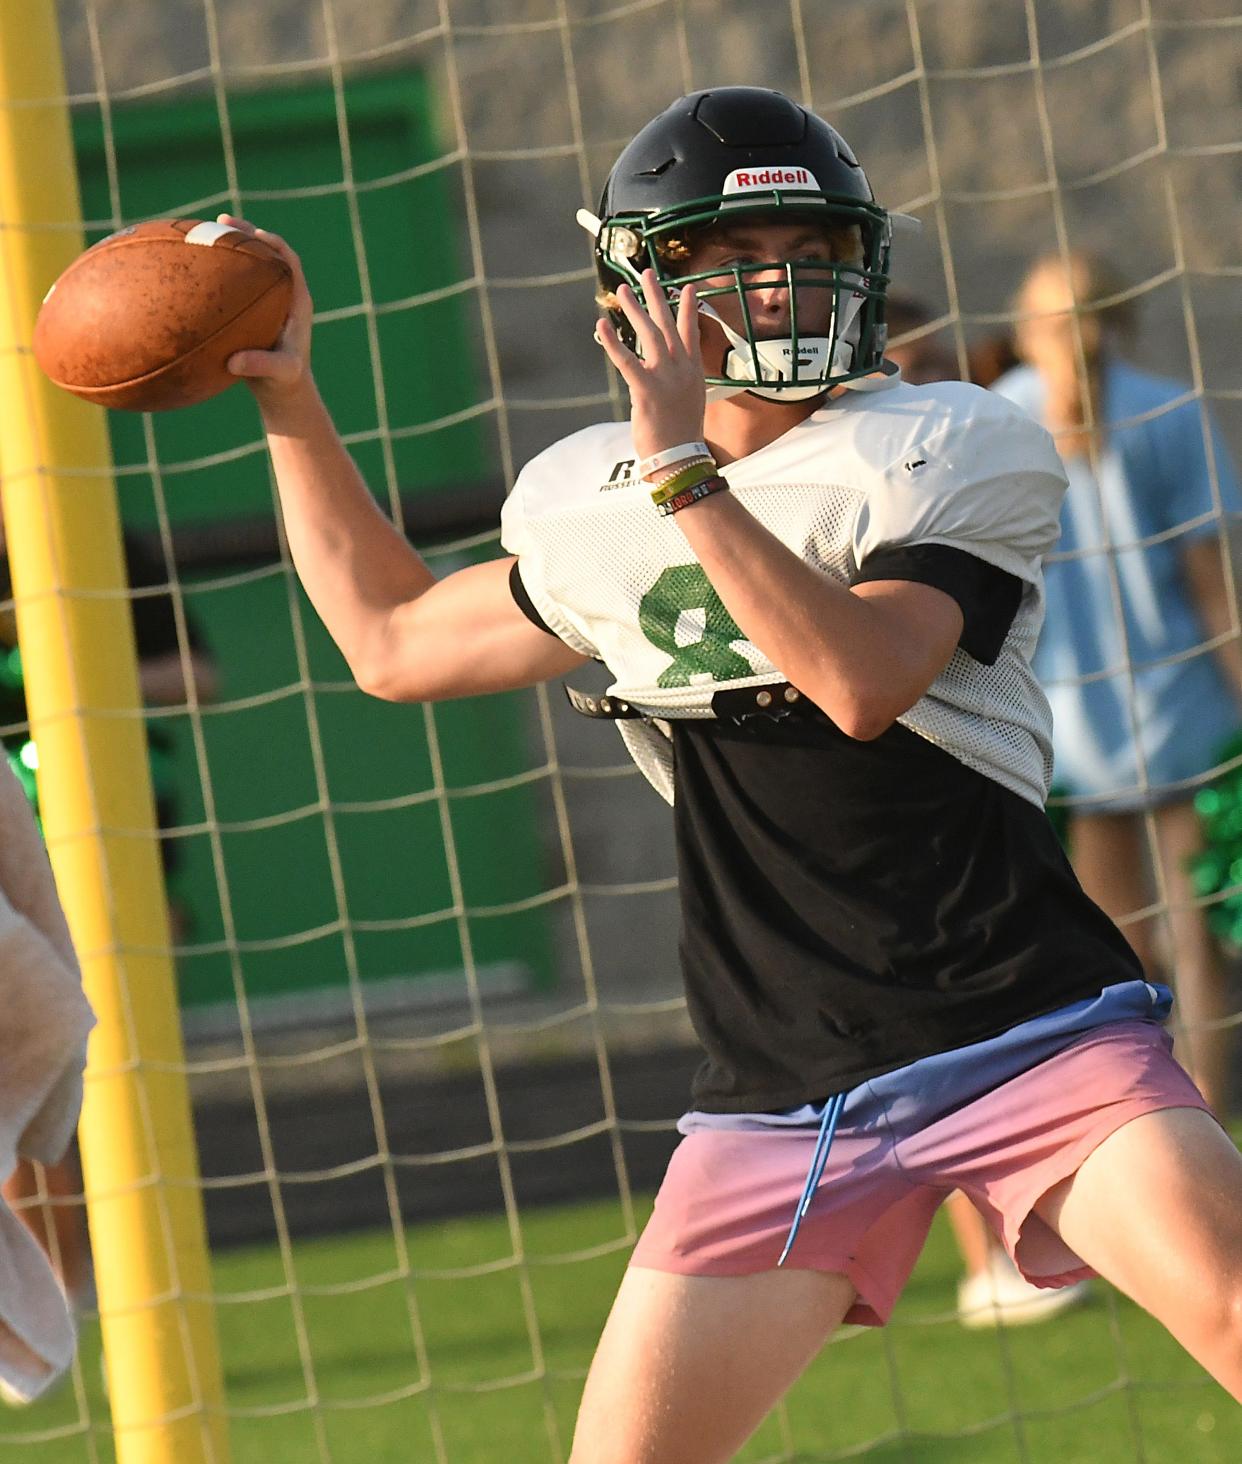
696,473
687,496
672,455
679,482
693,494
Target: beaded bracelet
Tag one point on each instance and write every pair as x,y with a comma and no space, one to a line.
673,455
704,488
686,478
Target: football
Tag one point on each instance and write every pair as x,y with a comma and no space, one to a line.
146,319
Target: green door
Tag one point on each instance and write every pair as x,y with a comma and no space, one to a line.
316,839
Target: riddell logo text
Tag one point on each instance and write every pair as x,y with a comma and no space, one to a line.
743,179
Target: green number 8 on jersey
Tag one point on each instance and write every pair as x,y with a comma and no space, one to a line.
680,590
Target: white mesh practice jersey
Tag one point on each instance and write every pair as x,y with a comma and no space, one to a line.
945,464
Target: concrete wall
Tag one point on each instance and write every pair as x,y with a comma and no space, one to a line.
1139,123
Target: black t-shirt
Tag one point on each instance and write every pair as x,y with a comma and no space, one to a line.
850,906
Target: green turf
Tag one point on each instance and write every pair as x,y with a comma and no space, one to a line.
506,1346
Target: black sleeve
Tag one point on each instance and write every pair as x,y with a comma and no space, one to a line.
987,597
524,602
155,621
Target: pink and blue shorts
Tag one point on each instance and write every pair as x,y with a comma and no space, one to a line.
1003,1120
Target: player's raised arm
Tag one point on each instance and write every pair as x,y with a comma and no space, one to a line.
406,635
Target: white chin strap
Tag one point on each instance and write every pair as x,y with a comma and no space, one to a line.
774,360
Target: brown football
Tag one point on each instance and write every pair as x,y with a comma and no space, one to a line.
145,319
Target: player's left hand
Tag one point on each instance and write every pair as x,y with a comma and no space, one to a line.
667,392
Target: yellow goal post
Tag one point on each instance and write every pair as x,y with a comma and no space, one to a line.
64,542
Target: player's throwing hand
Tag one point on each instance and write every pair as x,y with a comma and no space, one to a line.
269,372
665,374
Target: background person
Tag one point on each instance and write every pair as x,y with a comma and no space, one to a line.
992,1290
1142,705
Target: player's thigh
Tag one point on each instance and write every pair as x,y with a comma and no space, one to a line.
1157,1210
689,1366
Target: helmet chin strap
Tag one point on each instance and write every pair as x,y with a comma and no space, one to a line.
776,362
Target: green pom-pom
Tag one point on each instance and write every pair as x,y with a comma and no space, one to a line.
24,764
1217,870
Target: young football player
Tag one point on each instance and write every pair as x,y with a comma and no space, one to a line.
817,590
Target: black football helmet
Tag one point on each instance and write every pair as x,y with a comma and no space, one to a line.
742,150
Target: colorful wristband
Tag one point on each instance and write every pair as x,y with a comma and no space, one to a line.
686,478
702,489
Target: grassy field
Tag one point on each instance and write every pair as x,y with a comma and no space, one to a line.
331,1372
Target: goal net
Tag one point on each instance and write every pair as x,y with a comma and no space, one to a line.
426,956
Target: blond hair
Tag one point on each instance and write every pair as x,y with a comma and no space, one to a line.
1097,286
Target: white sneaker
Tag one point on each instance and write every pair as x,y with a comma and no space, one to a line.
11,1398
1001,1295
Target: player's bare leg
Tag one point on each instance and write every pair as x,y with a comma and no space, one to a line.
1157,1210
689,1366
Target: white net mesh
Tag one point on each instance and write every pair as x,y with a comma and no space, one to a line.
436,1040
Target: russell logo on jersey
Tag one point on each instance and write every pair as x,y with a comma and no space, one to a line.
622,475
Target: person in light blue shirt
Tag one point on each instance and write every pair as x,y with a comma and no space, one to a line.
1137,592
